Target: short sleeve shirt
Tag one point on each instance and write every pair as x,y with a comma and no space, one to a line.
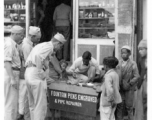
11,53
62,15
36,55
27,47
78,66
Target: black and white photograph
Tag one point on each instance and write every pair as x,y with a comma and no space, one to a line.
75,60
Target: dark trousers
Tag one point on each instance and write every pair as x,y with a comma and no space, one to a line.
64,53
126,105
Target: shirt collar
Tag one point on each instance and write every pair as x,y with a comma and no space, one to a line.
109,71
52,48
51,44
85,65
62,4
28,41
125,61
13,42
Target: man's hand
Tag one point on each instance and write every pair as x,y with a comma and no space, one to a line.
139,83
74,75
113,104
14,83
97,88
49,80
126,85
8,67
60,77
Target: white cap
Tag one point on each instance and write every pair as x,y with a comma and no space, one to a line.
60,38
126,47
17,29
34,31
143,44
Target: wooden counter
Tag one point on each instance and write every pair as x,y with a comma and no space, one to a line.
72,102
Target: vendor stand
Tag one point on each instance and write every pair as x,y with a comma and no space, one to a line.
96,24
72,102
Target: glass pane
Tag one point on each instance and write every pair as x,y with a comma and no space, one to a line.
14,13
96,19
32,13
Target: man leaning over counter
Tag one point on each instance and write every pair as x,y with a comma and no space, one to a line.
85,68
35,75
26,47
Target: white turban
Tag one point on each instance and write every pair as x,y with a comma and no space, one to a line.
17,29
143,44
34,31
126,47
60,38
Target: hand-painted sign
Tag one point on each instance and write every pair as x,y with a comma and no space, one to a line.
73,102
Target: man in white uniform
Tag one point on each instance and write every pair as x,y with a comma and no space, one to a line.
12,65
37,63
33,38
27,46
85,68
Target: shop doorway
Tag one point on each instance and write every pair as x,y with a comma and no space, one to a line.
48,27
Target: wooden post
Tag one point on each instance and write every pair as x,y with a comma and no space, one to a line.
27,16
124,31
139,23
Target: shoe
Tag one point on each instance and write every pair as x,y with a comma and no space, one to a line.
21,117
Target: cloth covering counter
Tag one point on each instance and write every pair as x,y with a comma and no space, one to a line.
71,102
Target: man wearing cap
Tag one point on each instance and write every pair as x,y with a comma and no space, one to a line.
33,38
27,45
141,103
12,65
35,75
128,74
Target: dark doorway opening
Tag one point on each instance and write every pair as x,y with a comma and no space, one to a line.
47,24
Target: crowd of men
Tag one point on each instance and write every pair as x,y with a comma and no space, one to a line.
30,65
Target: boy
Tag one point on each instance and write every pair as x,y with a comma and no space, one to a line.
128,73
110,95
63,65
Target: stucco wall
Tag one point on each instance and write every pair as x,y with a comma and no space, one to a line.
125,23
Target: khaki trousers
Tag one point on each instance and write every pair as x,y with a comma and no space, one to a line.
11,96
36,88
23,100
141,103
64,53
107,113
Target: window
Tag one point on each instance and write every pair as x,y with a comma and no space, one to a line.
14,13
96,19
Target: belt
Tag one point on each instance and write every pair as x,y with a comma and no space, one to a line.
31,65
16,69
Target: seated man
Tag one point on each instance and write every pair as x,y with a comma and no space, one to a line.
85,68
